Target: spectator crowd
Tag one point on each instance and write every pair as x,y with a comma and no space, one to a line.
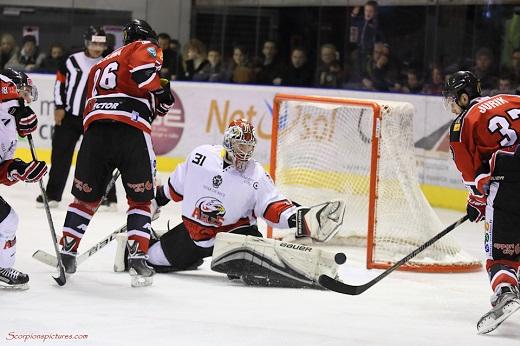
369,65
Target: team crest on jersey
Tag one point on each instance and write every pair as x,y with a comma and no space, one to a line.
217,181
152,51
209,210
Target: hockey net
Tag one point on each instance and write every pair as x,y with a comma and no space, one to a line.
361,151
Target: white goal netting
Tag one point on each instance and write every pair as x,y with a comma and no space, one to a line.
326,149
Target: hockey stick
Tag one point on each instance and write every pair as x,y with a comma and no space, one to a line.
109,187
61,279
51,260
340,287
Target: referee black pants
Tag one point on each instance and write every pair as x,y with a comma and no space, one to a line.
64,141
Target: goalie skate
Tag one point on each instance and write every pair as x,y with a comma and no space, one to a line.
12,279
505,305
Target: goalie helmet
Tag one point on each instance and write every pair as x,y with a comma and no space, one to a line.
240,142
24,84
461,82
138,29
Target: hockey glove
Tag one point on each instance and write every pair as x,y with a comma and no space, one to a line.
476,208
26,120
29,172
165,98
320,222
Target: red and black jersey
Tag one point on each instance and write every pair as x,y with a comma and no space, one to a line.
488,125
120,87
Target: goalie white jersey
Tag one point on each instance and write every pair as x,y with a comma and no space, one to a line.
218,198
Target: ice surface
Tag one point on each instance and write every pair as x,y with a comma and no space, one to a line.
204,308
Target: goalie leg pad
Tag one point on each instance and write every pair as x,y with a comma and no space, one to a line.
320,222
268,262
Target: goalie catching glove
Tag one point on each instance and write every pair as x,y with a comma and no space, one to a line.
320,222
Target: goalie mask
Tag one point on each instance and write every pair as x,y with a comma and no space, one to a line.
24,85
240,142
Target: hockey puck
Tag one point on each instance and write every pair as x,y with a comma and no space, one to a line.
340,258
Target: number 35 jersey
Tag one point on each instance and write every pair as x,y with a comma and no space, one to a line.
218,198
489,124
120,86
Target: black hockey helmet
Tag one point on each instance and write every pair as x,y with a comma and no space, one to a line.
138,29
461,82
22,82
95,35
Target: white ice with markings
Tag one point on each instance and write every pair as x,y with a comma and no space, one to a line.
204,308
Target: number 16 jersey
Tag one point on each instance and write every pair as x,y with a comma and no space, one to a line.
120,86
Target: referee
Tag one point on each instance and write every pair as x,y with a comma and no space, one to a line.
69,100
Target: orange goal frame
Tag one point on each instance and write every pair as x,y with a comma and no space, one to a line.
373,189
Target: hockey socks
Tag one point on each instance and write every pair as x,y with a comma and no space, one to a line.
78,217
139,226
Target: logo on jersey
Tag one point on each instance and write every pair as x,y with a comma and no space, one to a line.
209,210
152,51
106,105
217,181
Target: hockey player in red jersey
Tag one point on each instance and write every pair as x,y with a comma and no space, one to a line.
223,189
124,95
484,140
16,118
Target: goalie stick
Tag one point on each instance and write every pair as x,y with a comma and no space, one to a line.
340,287
61,279
51,260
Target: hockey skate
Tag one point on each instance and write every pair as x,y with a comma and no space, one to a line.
504,305
68,258
11,278
140,272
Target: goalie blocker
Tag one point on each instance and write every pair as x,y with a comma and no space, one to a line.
268,262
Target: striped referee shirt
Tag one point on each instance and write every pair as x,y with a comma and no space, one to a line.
71,80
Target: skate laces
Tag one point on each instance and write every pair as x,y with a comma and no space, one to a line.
11,273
